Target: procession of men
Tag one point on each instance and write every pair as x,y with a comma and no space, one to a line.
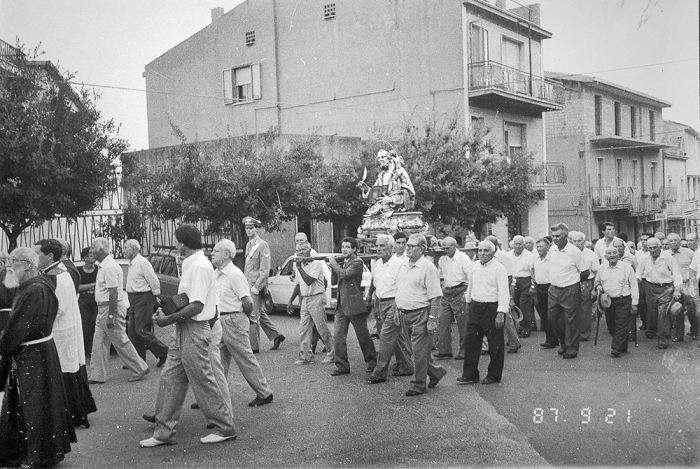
421,295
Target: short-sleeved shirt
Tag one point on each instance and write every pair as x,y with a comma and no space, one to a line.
141,277
593,262
521,263
601,246
232,286
683,257
316,271
200,285
502,257
417,284
541,268
566,265
110,275
384,276
455,270
489,284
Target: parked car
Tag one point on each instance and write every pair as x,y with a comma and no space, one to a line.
281,285
164,260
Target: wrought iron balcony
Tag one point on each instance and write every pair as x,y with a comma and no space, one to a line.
551,172
489,80
10,57
669,193
611,198
644,205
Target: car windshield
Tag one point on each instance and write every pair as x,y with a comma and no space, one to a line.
169,267
287,268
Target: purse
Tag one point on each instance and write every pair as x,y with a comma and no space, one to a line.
175,303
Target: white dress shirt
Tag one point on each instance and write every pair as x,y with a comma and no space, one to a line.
384,277
141,277
489,284
455,270
200,285
566,265
521,263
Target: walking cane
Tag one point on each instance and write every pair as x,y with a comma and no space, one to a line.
597,325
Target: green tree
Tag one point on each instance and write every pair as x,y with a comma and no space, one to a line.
57,154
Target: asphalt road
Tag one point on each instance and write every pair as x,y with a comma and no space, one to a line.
638,410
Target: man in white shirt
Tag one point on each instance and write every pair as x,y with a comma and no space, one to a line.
189,356
488,296
142,287
400,240
618,281
567,267
235,306
511,333
110,327
540,287
529,243
578,239
454,269
520,259
639,255
392,336
663,283
606,241
684,257
311,288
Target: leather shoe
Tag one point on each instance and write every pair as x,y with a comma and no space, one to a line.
514,350
434,382
442,356
194,406
570,355
459,357
677,339
524,335
214,438
561,351
584,339
643,327
151,418
92,381
401,373
256,351
547,345
139,376
152,442
374,380
338,372
488,380
161,360
276,343
370,368
258,401
210,426
462,380
662,346
615,353
413,392
650,335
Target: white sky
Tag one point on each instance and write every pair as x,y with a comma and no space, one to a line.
109,43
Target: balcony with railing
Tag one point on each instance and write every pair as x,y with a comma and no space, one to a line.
646,204
611,198
10,57
492,83
549,173
681,210
669,193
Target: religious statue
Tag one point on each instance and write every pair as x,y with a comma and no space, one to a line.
393,189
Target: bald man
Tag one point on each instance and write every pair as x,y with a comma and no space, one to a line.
520,259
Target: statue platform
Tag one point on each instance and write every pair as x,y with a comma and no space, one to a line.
373,225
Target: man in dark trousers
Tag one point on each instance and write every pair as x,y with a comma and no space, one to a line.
488,295
350,309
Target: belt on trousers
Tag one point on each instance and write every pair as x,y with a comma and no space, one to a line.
620,297
485,302
226,313
412,310
660,284
309,296
386,299
38,341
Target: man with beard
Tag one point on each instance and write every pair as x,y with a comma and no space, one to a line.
35,430
393,185
68,333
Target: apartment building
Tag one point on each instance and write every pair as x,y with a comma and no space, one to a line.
342,68
682,177
609,138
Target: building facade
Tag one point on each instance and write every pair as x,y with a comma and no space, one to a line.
344,68
611,142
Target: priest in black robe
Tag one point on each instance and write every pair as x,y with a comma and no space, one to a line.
35,429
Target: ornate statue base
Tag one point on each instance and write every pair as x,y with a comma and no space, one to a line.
373,225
